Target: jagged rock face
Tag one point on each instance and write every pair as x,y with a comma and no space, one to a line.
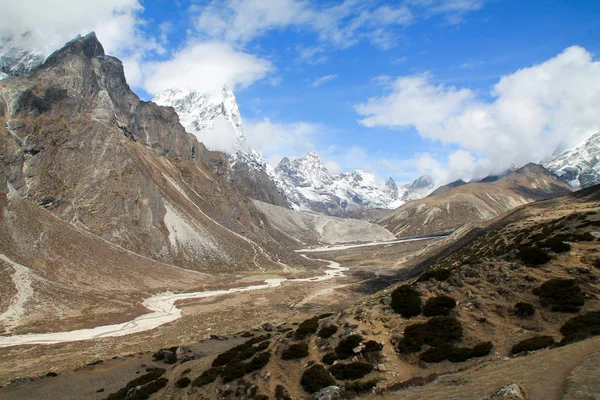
473,202
580,166
199,112
15,60
76,141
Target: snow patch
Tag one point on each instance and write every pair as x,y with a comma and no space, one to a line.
22,281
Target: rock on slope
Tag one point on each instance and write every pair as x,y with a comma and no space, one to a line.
307,228
210,117
474,202
579,166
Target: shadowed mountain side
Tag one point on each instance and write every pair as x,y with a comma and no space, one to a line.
76,141
474,202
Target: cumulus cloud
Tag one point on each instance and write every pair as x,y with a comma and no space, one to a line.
274,140
323,80
533,112
206,66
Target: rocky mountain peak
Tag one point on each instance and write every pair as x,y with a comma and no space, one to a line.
87,46
579,166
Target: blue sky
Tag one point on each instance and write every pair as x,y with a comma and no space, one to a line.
304,71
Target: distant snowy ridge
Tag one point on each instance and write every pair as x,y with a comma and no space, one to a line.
15,60
579,166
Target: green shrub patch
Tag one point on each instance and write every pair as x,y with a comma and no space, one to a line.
345,348
306,328
531,344
562,295
295,351
439,275
359,387
441,305
524,309
327,331
455,354
208,376
316,378
242,352
355,370
533,256
330,358
149,383
183,382
581,327
557,245
372,347
406,301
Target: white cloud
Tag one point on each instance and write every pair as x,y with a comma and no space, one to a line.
275,140
323,80
206,66
344,24
534,112
453,11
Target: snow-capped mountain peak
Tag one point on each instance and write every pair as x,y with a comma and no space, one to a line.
579,166
198,111
15,57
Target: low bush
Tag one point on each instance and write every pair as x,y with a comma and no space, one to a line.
436,331
557,245
439,275
327,331
145,391
406,301
531,344
330,358
372,347
355,370
316,378
581,327
153,375
359,387
295,351
183,382
260,397
306,328
281,393
346,346
562,295
524,309
441,305
247,335
242,352
533,256
208,376
455,354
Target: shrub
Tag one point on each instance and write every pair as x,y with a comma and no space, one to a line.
306,328
581,327
406,301
183,382
261,397
557,245
441,305
524,309
439,275
531,344
152,375
533,255
282,393
233,371
436,331
208,376
346,346
242,351
327,331
295,351
258,362
455,354
247,335
372,346
316,378
409,345
355,370
360,387
562,294
330,358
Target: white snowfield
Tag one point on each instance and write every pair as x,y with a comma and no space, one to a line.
163,310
